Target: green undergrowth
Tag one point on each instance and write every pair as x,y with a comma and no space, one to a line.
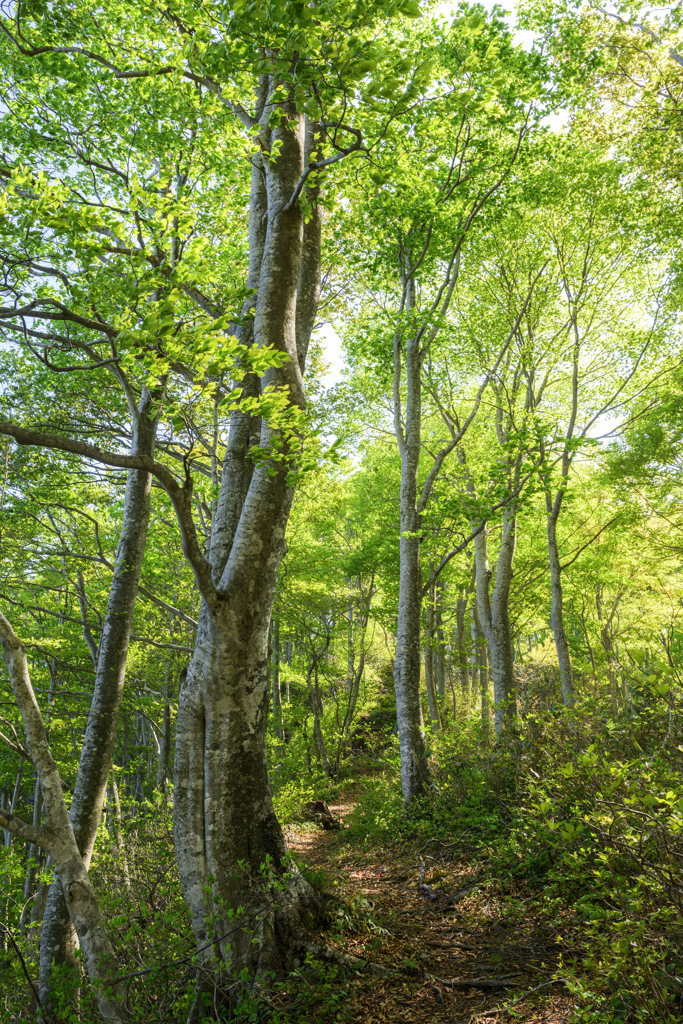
575,819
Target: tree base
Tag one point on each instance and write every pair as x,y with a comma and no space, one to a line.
282,943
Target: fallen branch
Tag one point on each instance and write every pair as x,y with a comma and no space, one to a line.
480,983
433,895
520,999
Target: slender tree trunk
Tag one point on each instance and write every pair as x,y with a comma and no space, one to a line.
316,704
461,649
480,673
57,936
57,836
440,642
354,673
350,653
116,820
494,616
557,612
15,800
33,855
352,700
415,774
455,703
277,693
165,740
429,667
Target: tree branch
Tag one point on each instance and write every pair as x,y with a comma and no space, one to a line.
181,497
588,544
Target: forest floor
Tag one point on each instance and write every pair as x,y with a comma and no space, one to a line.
462,955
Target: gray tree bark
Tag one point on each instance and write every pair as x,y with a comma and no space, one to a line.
461,649
415,774
354,673
33,856
480,673
165,737
57,836
317,708
564,659
440,653
15,800
494,616
57,934
277,693
430,682
226,831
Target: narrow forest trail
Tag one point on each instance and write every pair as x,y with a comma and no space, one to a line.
457,960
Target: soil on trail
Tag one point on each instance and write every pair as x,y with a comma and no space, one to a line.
454,955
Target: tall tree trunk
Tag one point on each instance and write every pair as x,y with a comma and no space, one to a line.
557,611
415,774
494,616
317,707
165,739
430,666
33,856
440,654
57,935
350,653
461,649
354,673
480,673
277,693
16,795
226,831
116,827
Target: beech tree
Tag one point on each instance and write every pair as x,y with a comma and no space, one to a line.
291,94
465,148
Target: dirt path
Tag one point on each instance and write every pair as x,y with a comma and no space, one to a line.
456,958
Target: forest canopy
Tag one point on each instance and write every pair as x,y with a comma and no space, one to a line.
263,623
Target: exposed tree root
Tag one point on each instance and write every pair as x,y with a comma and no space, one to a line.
282,942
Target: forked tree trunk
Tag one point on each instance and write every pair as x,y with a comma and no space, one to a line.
57,935
226,833
494,616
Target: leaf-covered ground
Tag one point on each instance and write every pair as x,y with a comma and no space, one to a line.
460,953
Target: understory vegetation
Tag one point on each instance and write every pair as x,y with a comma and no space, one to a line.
577,821
341,476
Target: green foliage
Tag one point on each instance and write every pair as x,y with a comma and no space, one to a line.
579,817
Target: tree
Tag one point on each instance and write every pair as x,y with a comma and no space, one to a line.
415,233
291,92
57,837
